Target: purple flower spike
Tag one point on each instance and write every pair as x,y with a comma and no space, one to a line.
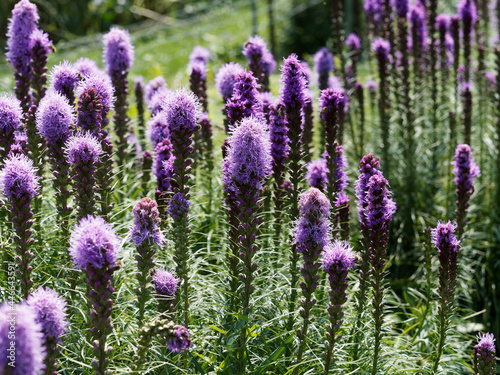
182,110
465,170
86,67
245,100
40,47
317,174
50,310
153,86
64,78
198,82
11,115
484,355
226,78
166,283
94,244
353,42
402,8
179,341
343,207
101,83
260,60
468,12
323,65
338,257
55,118
382,49
371,85
373,12
18,178
146,223
83,147
199,55
155,104
118,52
158,129
29,353
418,28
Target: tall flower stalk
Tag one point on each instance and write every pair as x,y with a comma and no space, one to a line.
468,13
447,245
182,112
338,258
245,169
64,79
40,47
484,355
139,103
146,236
166,284
224,82
94,248
19,183
11,116
260,60
467,112
118,56
311,238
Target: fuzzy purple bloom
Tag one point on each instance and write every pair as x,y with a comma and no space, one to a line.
468,12
179,341
317,175
118,52
447,244
226,78
280,147
260,60
182,111
266,99
83,147
153,86
29,352
50,310
382,49
163,155
103,86
199,55
418,26
368,167
373,11
39,40
338,257
443,23
160,96
484,355
353,42
94,244
55,118
146,223
380,207
340,175
158,129
245,99
323,61
166,283
293,85
86,67
371,85
402,8
179,206
19,178
64,78
306,69
11,115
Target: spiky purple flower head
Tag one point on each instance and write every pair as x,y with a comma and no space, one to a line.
368,167
182,111
103,86
443,23
146,223
255,50
40,40
332,102
86,66
179,341
373,11
465,168
484,355
83,147
468,12
371,85
11,115
55,117
153,86
338,256
418,26
226,78
166,283
339,175
21,26
118,52
199,55
29,352
313,224
380,207
163,151
50,310
94,243
248,161
245,99
353,42
317,174
64,78
492,79
382,49
18,177
447,244
401,8
293,84
158,129
160,96
323,61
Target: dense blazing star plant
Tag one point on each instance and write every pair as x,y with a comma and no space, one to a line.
244,101
94,249
260,60
323,65
19,184
40,47
317,174
163,155
11,116
166,284
63,79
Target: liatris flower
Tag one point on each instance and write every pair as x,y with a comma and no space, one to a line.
158,129
317,174
373,13
166,284
118,57
176,338
338,258
50,311
19,183
401,8
20,145
198,82
206,141
468,13
155,104
27,355
308,125
465,170
382,49
21,26
323,65
83,152
342,204
146,235
293,98
139,102
245,100
280,147
64,78
11,115
86,67
153,86
199,55
311,238
94,248
182,112
163,153
146,165
246,167
55,120
40,47
266,99
484,355
226,78
467,112
447,244
260,60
